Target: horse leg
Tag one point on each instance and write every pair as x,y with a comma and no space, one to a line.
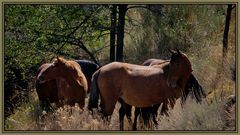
128,111
147,115
107,105
124,110
136,113
154,113
80,102
164,110
59,103
41,104
121,116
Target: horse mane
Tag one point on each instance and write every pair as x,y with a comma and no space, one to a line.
79,73
71,64
195,88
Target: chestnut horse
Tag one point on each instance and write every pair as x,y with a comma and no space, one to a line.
52,91
140,86
70,71
150,113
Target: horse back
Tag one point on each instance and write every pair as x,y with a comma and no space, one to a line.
127,80
151,62
118,68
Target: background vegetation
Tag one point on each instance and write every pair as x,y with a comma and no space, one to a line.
34,34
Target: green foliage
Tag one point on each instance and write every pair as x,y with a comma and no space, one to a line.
27,113
36,33
178,26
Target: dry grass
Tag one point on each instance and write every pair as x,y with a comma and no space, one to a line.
191,116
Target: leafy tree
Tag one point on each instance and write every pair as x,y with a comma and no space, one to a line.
36,33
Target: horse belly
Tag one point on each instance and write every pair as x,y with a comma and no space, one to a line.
143,96
142,102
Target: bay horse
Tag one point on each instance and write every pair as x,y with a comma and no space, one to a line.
150,113
52,91
76,82
139,86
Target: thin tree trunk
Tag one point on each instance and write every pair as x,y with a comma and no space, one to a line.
226,30
120,31
113,32
225,47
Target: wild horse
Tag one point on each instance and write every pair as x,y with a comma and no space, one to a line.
140,86
62,80
150,113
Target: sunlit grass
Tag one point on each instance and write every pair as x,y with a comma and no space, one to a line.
191,116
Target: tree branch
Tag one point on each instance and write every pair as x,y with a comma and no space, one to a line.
71,40
101,35
82,46
138,6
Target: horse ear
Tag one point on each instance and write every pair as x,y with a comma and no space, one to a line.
58,59
171,51
61,60
178,51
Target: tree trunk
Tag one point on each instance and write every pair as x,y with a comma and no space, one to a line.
113,32
220,69
226,30
120,31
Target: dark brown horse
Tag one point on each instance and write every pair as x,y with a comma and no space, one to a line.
150,113
140,86
75,85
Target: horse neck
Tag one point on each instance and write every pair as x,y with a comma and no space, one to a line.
75,84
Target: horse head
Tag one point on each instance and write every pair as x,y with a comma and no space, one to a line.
58,68
43,71
179,69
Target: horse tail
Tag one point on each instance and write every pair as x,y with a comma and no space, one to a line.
94,92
